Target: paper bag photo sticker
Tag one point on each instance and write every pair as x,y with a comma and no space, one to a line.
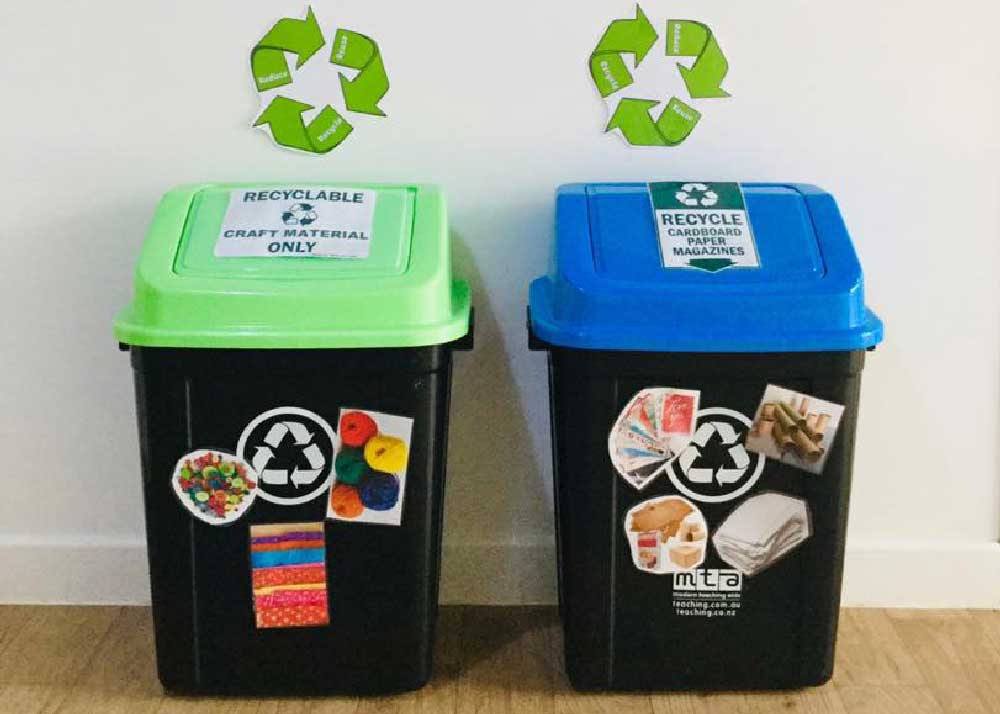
370,469
289,575
655,425
794,428
667,534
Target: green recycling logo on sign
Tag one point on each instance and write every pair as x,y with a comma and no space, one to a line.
632,114
282,90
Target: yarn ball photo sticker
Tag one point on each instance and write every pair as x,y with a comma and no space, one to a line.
668,534
370,468
795,429
216,488
651,430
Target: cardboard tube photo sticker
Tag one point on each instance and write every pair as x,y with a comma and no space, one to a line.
794,428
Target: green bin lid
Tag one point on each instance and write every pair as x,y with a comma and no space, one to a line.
296,266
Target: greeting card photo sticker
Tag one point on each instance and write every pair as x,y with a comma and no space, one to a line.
215,487
289,575
370,469
666,535
794,428
652,429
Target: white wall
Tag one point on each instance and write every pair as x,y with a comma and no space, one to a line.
889,105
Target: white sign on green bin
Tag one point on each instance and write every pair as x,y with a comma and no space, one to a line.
297,222
703,226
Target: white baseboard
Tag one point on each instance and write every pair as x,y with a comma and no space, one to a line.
110,571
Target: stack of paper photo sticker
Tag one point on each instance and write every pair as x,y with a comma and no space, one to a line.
289,574
655,425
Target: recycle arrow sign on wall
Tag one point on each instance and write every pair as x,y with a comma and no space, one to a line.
284,114
634,116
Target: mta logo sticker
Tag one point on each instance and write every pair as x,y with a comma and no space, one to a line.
292,450
715,467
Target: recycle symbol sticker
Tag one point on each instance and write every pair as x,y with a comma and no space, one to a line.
716,467
292,450
697,195
699,75
297,107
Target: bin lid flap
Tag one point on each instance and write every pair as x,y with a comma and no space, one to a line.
296,266
702,267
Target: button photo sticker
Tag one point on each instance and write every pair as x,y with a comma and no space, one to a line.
370,479
216,488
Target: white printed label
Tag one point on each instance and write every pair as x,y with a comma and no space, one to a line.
297,222
703,226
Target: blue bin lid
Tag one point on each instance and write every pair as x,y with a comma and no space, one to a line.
608,287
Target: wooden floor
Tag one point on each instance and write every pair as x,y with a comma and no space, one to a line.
100,659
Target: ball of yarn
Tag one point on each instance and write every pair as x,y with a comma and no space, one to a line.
356,428
351,466
386,453
379,491
346,502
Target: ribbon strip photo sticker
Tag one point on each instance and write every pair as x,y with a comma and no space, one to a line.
796,429
666,535
288,563
370,469
651,430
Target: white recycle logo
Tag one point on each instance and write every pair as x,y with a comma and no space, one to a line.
700,439
289,429
688,195
303,438
742,475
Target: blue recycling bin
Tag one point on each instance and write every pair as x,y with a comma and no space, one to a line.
705,345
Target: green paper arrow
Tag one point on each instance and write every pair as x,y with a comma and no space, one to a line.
324,133
365,91
634,119
635,37
688,38
609,72
712,265
302,38
328,130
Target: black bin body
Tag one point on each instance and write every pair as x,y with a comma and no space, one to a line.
382,581
620,632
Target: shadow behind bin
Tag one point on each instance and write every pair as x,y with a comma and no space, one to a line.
714,561
219,344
